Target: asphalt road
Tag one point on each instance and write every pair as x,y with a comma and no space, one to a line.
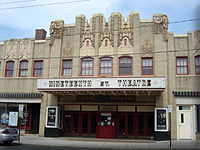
17,146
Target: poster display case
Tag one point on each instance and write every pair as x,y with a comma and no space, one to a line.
161,119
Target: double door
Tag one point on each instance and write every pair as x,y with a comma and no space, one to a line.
76,123
135,124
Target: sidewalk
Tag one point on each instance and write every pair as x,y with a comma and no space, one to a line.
32,139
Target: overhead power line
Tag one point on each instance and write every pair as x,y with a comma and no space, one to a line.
39,5
181,21
6,3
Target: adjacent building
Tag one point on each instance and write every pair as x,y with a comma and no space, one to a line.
107,79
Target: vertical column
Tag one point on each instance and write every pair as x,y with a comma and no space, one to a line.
115,23
77,43
136,42
98,30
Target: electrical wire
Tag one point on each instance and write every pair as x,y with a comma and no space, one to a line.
6,3
40,5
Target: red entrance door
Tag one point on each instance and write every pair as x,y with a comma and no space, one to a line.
106,128
145,124
89,123
71,123
132,124
126,125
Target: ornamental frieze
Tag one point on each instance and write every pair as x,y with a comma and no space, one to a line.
24,50
10,51
67,50
147,49
160,23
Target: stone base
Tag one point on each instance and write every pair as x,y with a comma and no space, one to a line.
162,136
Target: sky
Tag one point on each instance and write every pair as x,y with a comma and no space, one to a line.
20,18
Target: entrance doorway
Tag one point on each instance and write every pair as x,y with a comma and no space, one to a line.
71,123
185,122
76,123
135,124
89,123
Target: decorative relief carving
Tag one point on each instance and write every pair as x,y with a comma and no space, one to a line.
119,27
126,33
97,21
161,25
67,50
131,30
56,27
197,36
24,52
147,49
10,53
82,30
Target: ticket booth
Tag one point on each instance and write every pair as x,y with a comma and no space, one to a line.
107,126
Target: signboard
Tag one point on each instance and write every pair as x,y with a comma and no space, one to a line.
161,119
101,83
13,118
170,108
107,98
21,108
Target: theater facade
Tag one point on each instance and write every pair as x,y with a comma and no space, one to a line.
115,78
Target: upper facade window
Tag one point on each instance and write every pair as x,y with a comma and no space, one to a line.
182,66
67,68
23,68
197,65
9,69
125,66
38,68
106,66
87,67
147,66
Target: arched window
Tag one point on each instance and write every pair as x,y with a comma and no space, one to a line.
125,66
87,67
23,68
9,69
106,43
125,42
105,66
87,43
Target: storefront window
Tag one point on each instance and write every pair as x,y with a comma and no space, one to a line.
6,108
105,119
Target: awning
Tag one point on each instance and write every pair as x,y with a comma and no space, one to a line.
186,93
21,95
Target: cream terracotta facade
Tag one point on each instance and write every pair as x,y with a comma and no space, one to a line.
145,38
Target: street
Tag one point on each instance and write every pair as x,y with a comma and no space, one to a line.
19,146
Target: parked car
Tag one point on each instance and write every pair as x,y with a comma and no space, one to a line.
8,135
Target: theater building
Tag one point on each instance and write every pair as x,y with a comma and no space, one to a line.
106,79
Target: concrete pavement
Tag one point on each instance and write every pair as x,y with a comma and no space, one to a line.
34,139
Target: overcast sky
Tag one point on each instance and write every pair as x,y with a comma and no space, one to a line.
21,23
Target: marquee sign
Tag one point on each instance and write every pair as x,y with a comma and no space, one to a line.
101,83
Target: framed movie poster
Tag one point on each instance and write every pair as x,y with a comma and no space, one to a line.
51,118
161,119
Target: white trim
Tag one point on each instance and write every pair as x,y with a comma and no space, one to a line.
188,100
20,100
